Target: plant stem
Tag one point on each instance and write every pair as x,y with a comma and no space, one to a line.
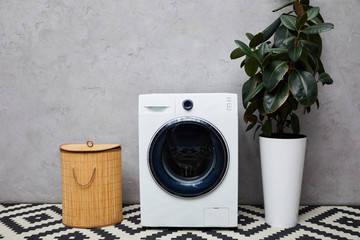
296,43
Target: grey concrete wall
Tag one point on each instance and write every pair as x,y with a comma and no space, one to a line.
72,70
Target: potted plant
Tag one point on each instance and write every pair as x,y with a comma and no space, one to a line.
284,75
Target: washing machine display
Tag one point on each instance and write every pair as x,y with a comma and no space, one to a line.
188,157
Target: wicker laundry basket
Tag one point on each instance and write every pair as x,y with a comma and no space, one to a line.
91,184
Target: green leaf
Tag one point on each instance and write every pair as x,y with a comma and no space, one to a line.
304,62
321,67
270,30
260,108
312,13
243,63
257,128
320,17
283,6
251,108
286,41
277,50
295,53
266,60
237,53
251,67
318,28
315,38
267,128
263,50
313,63
281,57
289,22
315,21
248,115
293,102
253,93
247,88
295,124
250,126
275,99
256,40
325,78
303,86
281,34
305,2
302,19
309,46
285,109
249,36
248,52
251,118
273,73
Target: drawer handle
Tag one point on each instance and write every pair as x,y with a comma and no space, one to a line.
83,185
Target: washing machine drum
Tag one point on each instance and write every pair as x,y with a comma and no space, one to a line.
188,157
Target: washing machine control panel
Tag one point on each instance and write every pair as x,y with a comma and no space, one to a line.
188,104
229,104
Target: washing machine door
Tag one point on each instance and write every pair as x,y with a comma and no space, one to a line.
188,157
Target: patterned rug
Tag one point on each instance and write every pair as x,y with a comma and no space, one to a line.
43,221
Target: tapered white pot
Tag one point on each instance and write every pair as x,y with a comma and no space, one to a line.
282,164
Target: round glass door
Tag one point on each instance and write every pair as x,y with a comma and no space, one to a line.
188,157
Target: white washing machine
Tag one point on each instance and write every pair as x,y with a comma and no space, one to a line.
188,153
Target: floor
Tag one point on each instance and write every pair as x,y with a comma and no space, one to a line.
43,221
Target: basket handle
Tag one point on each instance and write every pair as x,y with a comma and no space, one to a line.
90,143
83,185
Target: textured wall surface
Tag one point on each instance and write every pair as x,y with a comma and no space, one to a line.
72,71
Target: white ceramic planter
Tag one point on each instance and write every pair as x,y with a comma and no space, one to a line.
282,164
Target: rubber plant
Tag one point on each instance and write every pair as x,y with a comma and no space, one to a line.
284,73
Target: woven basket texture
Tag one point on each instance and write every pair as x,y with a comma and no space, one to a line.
99,203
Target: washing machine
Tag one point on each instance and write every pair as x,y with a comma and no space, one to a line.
188,160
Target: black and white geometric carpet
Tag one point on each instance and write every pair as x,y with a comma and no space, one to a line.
43,221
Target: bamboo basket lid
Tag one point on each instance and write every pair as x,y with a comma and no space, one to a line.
88,147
